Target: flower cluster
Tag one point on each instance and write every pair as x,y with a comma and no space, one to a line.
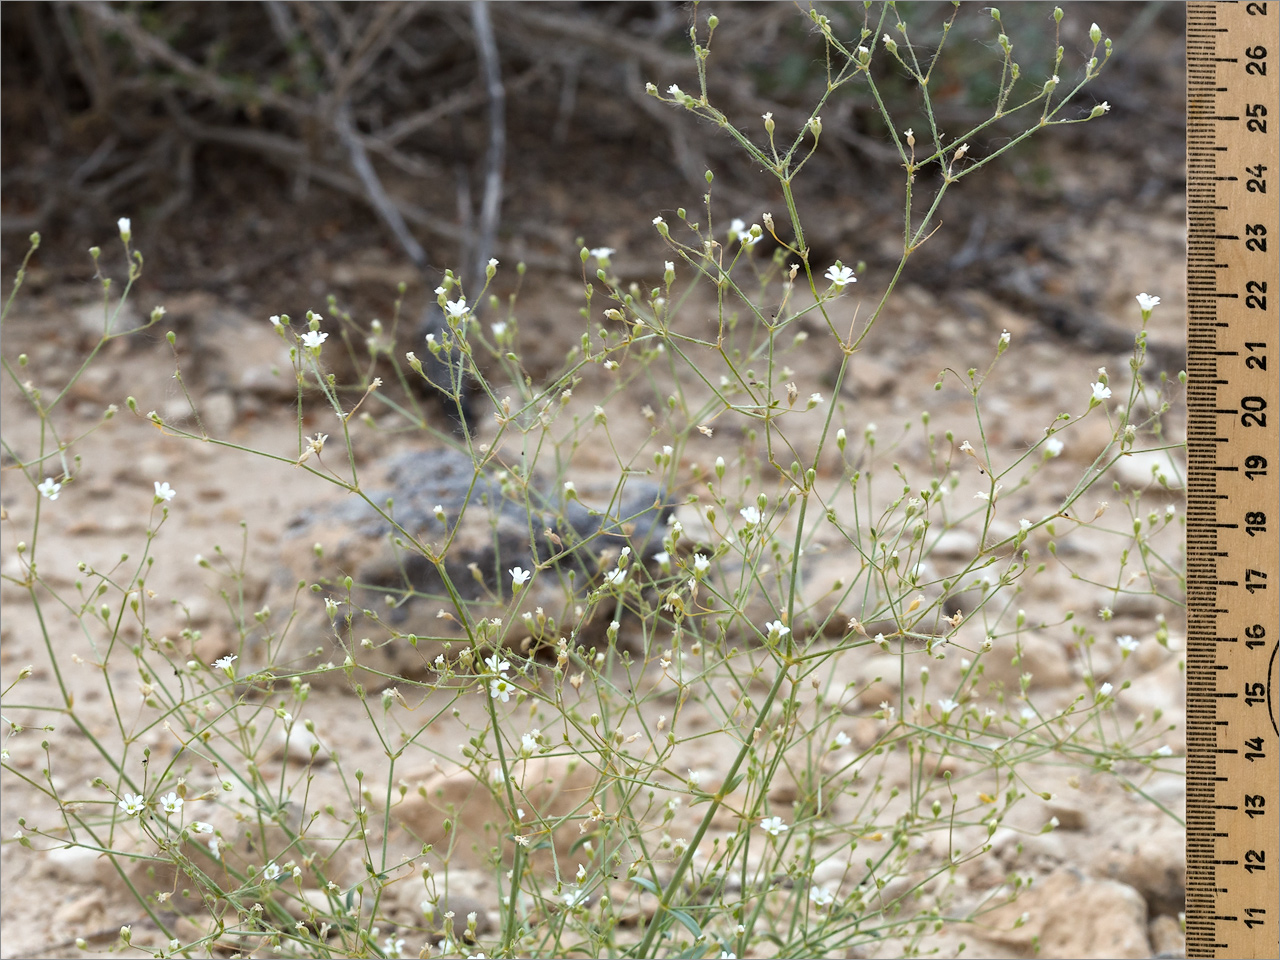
500,687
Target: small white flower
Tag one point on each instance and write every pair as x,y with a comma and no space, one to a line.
821,897
752,236
164,492
1054,447
499,329
602,253
270,871
313,338
49,488
224,663
947,706
1127,643
1024,524
496,664
700,563
500,689
199,826
1147,303
457,309
773,826
840,741
126,228
776,629
519,576
215,848
275,321
171,802
529,742
675,91
575,898
1105,690
614,577
132,804
737,227
840,276
493,261
1165,751
750,515
1005,337
1101,391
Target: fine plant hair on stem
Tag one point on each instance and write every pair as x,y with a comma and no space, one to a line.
664,655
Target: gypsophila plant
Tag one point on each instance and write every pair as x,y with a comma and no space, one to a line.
762,706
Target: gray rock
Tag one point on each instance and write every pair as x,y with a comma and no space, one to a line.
424,587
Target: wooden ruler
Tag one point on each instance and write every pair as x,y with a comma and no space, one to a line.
1233,483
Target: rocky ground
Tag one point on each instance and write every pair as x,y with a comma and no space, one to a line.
1062,280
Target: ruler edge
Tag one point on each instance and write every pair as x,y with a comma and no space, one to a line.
1205,670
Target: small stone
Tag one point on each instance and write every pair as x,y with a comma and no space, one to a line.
1054,908
71,864
96,318
1151,858
1167,939
1070,816
296,747
1147,468
956,544
218,411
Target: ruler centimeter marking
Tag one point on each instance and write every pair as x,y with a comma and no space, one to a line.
1233,479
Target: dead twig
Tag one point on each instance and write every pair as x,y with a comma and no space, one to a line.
495,154
373,190
150,48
